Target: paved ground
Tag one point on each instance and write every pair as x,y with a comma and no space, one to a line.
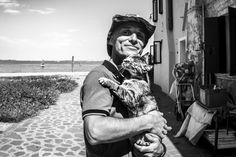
56,131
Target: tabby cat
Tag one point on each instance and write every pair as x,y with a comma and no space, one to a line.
134,91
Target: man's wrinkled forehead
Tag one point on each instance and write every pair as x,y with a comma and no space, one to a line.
130,25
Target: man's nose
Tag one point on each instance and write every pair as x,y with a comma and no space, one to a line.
133,39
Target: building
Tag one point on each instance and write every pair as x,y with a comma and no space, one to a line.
200,30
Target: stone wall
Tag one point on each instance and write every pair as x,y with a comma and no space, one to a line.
215,8
195,33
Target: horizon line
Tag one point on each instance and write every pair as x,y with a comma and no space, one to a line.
49,60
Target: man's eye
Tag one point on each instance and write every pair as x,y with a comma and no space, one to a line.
126,32
141,36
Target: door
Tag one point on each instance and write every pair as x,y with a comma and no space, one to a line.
231,48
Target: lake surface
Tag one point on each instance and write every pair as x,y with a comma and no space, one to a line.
22,68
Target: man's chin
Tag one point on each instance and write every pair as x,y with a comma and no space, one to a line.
128,53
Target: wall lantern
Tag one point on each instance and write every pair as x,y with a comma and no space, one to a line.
157,48
155,11
160,6
151,56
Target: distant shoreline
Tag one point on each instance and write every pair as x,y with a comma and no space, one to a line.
47,62
44,74
29,67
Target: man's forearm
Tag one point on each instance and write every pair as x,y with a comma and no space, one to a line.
99,129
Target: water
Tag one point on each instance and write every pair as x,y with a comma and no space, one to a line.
24,68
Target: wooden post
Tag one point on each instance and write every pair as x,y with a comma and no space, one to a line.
72,64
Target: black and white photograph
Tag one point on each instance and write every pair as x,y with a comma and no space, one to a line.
117,78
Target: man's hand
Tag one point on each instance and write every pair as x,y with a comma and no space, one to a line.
159,124
155,149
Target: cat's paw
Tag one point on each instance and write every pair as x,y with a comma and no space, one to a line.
103,81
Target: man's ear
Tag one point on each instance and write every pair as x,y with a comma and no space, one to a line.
110,41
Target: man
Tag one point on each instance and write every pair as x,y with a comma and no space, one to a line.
107,127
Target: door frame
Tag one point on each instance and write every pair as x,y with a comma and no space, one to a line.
181,55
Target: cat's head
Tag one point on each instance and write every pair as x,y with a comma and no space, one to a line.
135,65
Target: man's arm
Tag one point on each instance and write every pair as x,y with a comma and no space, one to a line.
101,129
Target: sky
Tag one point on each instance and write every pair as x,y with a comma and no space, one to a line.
60,29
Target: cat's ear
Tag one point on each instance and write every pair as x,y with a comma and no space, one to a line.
148,67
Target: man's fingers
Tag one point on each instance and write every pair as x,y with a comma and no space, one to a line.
161,135
152,137
148,155
149,138
161,113
168,128
164,132
150,108
142,149
164,120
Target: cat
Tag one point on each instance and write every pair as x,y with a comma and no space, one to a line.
135,90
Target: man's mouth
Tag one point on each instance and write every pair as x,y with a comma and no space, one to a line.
132,47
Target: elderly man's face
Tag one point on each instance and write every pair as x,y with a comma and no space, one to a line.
128,39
